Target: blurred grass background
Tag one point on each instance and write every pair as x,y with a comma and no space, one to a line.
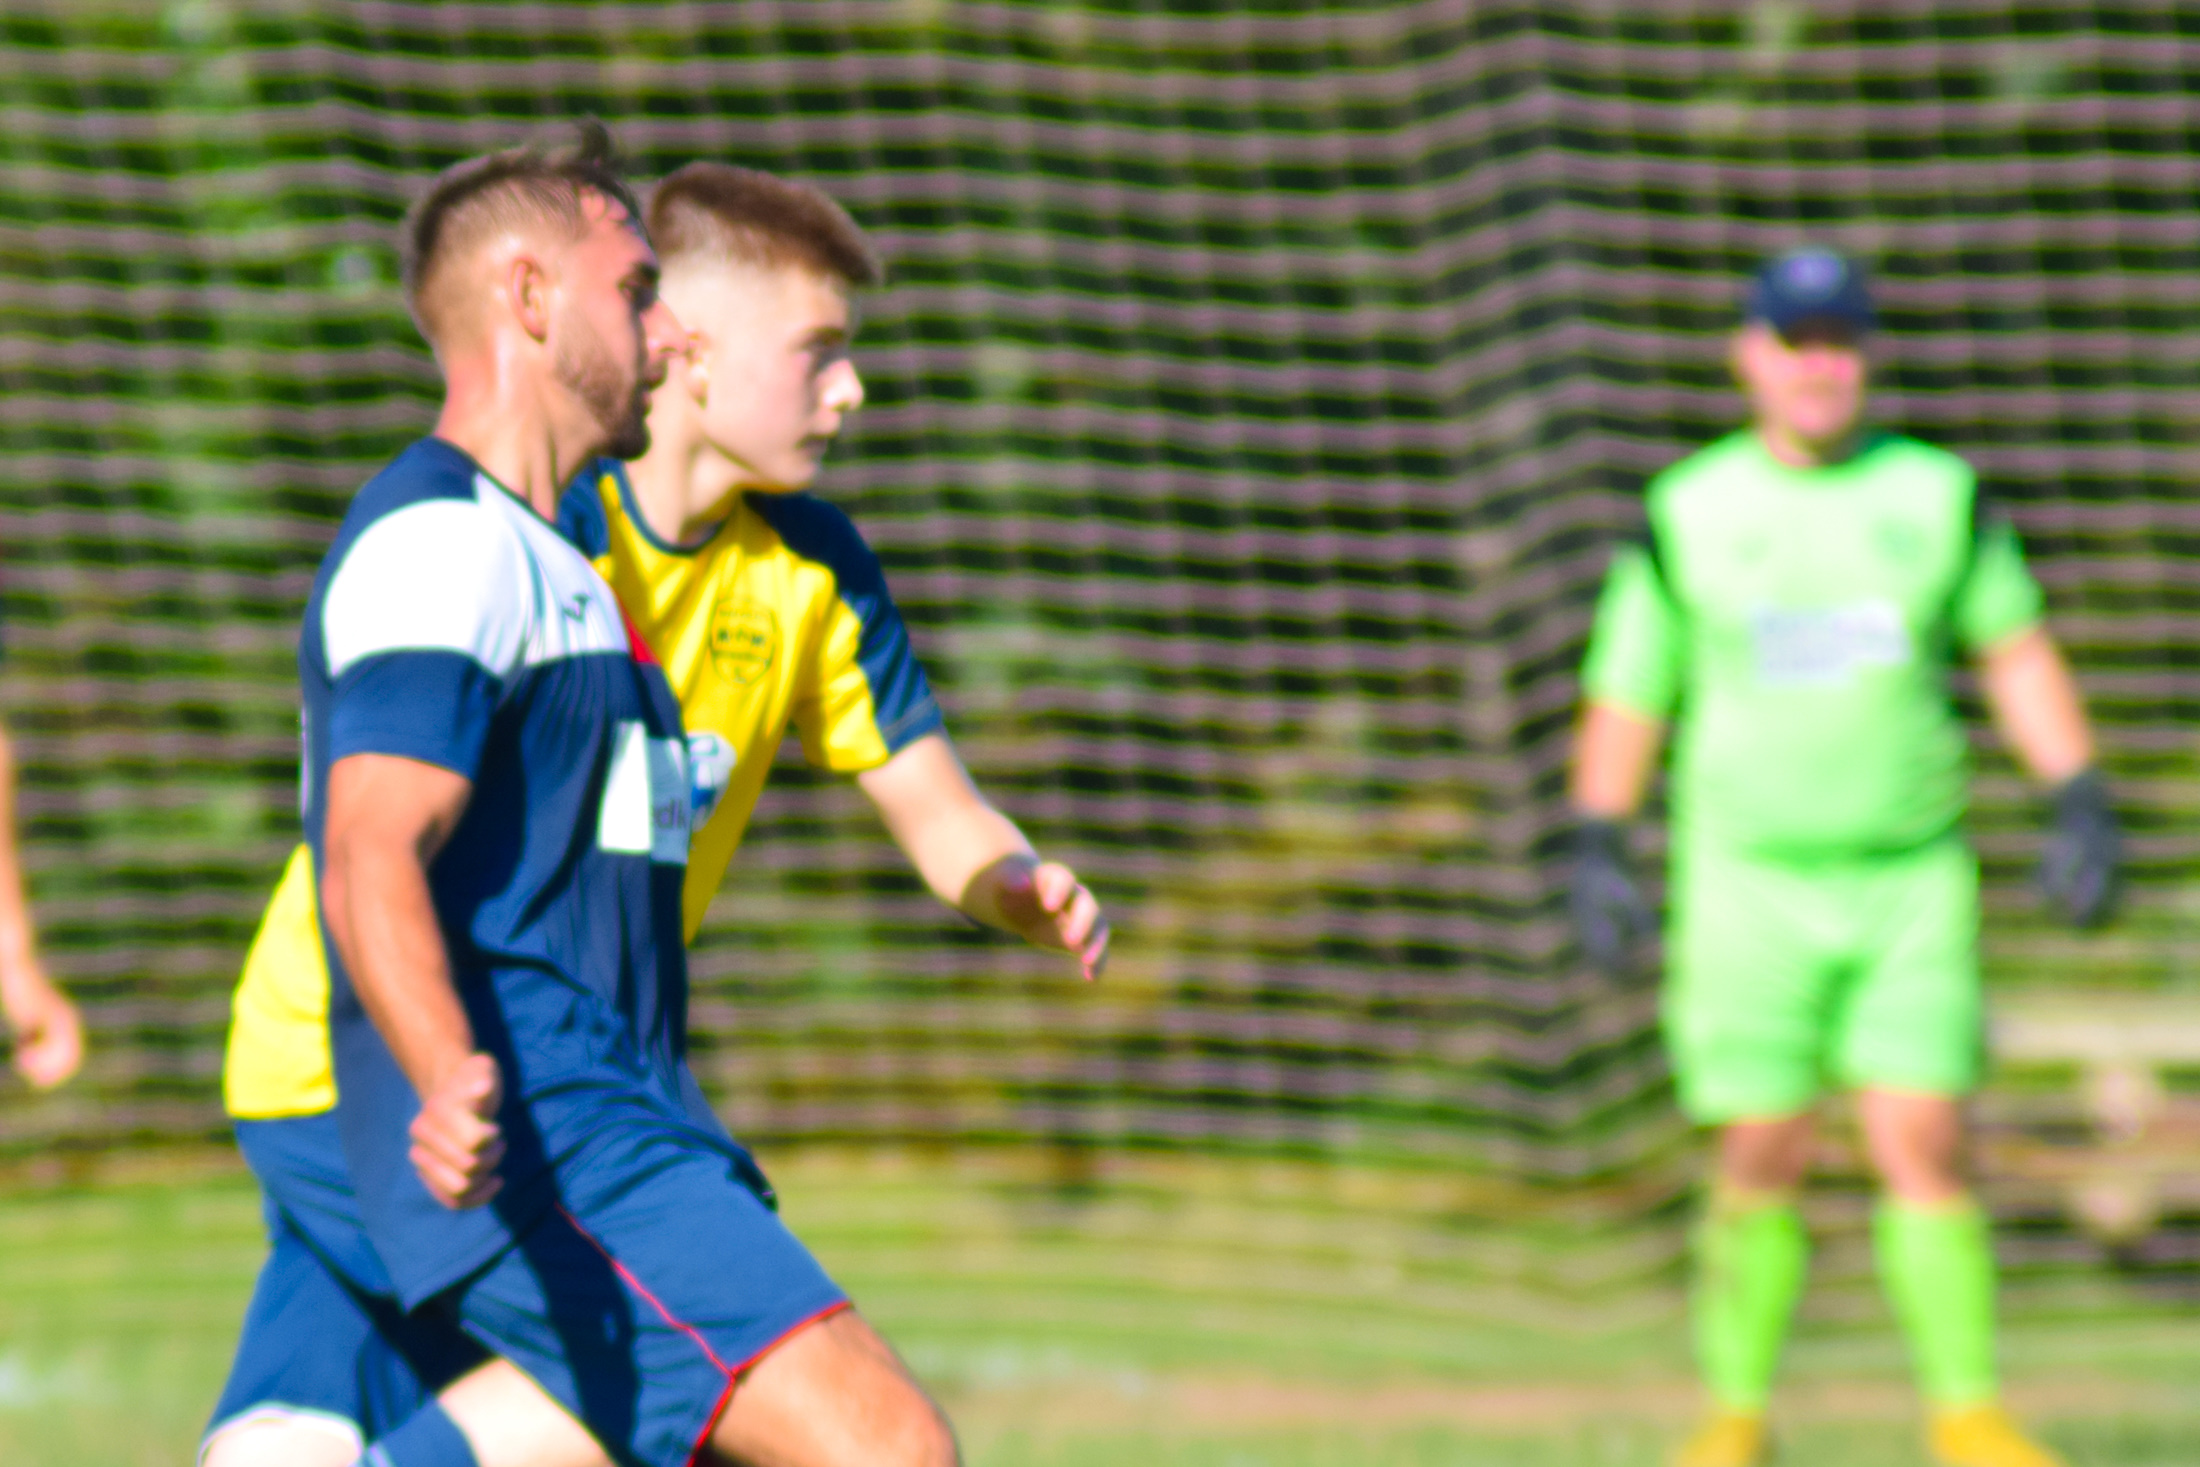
1166,1313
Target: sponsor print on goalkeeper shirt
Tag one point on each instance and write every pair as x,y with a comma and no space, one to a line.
1800,625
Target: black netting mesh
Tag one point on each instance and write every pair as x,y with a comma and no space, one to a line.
1256,395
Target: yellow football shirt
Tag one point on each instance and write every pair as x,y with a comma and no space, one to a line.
780,617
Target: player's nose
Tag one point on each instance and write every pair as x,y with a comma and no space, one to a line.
843,388
663,336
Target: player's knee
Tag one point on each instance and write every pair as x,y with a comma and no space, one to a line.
900,1427
931,1439
834,1396
272,1442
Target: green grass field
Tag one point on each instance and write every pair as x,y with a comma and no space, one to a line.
1169,1315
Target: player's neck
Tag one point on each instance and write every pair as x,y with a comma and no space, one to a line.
683,487
515,437
1797,452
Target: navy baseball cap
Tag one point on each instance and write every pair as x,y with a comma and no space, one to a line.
1810,284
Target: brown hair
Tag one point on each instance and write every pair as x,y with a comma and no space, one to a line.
750,217
544,181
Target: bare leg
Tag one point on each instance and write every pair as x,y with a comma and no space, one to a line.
833,1394
1765,1156
510,1421
281,1441
506,1418
1916,1144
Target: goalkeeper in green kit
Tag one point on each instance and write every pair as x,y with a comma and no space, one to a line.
1796,604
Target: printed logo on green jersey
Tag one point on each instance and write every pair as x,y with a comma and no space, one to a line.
1826,646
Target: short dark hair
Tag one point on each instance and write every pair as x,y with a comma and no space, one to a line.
749,217
545,180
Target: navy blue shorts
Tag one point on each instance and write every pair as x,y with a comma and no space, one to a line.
316,1352
635,1303
640,1299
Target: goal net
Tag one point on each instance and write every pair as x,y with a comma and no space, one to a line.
1257,395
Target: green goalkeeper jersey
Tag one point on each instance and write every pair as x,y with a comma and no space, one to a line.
1800,624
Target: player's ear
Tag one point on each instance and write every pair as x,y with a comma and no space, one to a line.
527,293
694,359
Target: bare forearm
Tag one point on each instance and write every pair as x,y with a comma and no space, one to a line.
48,1034
2036,705
387,819
966,857
1614,753
383,919
955,839
976,860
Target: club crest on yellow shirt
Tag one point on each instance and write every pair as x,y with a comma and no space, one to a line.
744,639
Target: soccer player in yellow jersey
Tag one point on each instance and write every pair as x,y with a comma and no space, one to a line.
767,610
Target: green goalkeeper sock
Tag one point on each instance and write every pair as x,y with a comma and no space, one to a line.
1937,1264
1751,1254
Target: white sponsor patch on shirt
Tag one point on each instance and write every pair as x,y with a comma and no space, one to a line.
710,770
647,805
1825,645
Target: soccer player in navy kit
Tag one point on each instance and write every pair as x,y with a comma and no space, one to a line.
498,800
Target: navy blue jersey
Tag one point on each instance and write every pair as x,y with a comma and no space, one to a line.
450,624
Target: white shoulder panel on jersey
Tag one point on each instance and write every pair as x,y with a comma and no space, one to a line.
572,611
436,576
479,577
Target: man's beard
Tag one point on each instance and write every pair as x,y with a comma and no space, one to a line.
618,401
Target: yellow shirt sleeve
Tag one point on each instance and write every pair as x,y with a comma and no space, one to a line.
834,711
278,1061
860,697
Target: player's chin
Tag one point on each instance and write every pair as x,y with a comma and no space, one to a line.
628,439
796,472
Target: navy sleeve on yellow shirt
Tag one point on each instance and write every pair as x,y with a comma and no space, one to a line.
870,691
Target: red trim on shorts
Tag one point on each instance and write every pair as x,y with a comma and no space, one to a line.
731,1372
711,1425
654,1302
710,1422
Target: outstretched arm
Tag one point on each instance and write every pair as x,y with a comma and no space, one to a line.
975,859
49,1037
387,818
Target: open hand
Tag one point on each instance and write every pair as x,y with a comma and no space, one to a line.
456,1141
1049,907
49,1036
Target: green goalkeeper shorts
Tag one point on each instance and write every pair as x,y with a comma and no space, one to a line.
1783,976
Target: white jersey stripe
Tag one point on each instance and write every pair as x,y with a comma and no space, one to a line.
481,577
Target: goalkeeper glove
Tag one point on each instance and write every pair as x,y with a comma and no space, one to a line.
1610,912
2079,867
